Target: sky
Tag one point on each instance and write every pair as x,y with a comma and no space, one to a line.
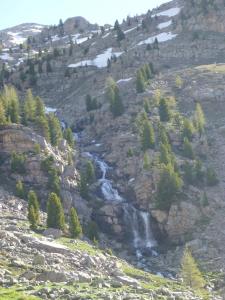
48,12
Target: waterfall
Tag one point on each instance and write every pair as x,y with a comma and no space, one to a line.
109,193
138,223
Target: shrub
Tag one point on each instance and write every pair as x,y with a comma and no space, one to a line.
74,225
55,213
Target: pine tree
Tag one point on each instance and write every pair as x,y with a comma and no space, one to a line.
29,108
179,82
55,213
2,114
199,119
146,162
14,111
90,172
190,272
140,82
165,154
40,107
188,150
113,96
164,111
68,135
188,129
20,192
54,129
83,186
169,185
148,136
74,225
43,127
33,209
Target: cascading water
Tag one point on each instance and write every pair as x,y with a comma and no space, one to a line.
109,193
137,222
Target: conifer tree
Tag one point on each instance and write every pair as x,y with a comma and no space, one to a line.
199,119
74,224
13,108
169,185
20,192
83,186
164,111
165,154
148,136
190,272
188,150
140,82
55,213
29,109
40,107
146,162
68,135
54,129
90,172
33,209
188,129
113,96
43,127
2,114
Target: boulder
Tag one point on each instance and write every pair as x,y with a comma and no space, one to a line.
52,276
52,232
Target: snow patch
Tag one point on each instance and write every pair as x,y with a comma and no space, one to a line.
49,110
162,37
6,56
100,61
16,37
164,24
169,12
129,30
106,35
124,80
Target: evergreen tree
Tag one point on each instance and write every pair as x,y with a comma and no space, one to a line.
120,35
113,96
20,192
48,66
146,162
33,209
13,108
211,177
29,108
169,185
188,129
55,213
188,150
148,136
179,82
40,107
53,181
164,111
140,82
68,135
54,129
83,186
165,154
199,119
43,127
2,114
190,272
74,225
90,172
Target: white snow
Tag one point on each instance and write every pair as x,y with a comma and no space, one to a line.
81,40
162,37
164,24
6,56
107,34
16,38
169,12
100,61
124,80
55,38
49,110
129,30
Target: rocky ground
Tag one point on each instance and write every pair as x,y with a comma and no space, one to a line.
60,268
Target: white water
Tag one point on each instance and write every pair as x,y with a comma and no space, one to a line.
137,222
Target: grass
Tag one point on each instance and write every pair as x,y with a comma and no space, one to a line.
12,293
78,245
214,68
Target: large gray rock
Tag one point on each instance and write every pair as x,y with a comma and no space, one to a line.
52,232
52,276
